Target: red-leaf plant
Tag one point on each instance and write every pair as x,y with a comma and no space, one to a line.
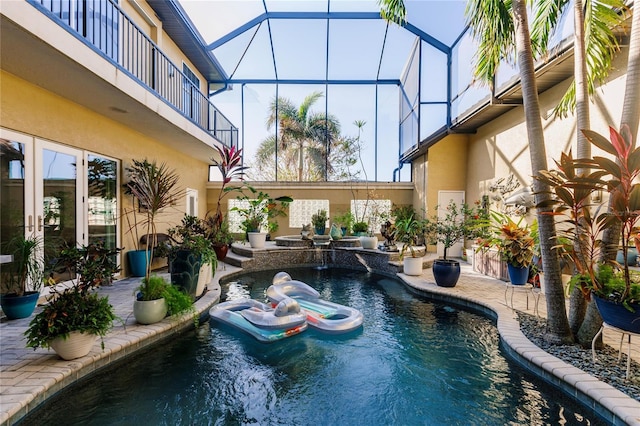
231,168
585,221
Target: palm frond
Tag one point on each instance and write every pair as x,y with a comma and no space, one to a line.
493,27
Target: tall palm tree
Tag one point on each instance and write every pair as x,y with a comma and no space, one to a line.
310,135
595,44
501,28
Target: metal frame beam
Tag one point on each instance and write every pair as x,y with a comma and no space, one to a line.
314,81
326,15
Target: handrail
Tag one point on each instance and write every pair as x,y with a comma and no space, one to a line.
112,32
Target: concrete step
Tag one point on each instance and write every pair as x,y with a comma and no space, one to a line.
238,260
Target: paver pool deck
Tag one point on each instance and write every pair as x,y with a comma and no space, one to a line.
29,377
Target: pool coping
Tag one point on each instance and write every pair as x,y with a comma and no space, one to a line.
30,377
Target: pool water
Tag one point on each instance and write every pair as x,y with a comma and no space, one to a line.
413,362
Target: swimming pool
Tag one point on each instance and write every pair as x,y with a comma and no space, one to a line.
413,362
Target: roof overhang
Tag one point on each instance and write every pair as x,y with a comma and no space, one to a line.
182,31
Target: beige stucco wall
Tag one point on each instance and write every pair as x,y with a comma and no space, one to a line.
28,109
339,196
447,168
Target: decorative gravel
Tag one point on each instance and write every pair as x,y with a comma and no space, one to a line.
606,368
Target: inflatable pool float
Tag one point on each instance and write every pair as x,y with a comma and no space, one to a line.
321,314
260,320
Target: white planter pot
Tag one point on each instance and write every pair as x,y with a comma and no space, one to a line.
412,265
204,278
257,239
75,346
149,311
369,242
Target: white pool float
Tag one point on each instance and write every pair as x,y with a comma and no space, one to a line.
260,320
321,314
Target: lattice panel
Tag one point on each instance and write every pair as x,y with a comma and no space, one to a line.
374,210
300,211
235,219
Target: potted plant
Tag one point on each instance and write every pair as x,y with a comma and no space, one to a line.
192,259
22,277
616,294
517,249
217,224
95,263
155,187
259,211
344,221
75,316
319,221
360,228
157,298
219,235
448,230
408,232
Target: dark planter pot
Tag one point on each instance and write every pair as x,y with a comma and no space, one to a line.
16,307
616,315
221,251
518,275
185,270
137,262
320,230
446,272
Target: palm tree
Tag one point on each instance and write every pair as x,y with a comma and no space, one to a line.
594,22
304,135
501,29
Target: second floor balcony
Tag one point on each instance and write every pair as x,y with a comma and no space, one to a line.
78,72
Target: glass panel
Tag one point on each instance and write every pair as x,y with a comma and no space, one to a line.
59,173
12,174
432,118
355,47
387,123
102,201
307,38
465,95
433,80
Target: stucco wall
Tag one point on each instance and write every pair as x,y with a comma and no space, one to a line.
338,194
447,168
28,109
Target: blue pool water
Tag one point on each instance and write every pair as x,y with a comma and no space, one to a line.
414,362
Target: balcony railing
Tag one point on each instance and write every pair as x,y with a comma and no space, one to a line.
103,24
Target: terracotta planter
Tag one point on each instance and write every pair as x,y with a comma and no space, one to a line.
149,311
75,346
221,251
